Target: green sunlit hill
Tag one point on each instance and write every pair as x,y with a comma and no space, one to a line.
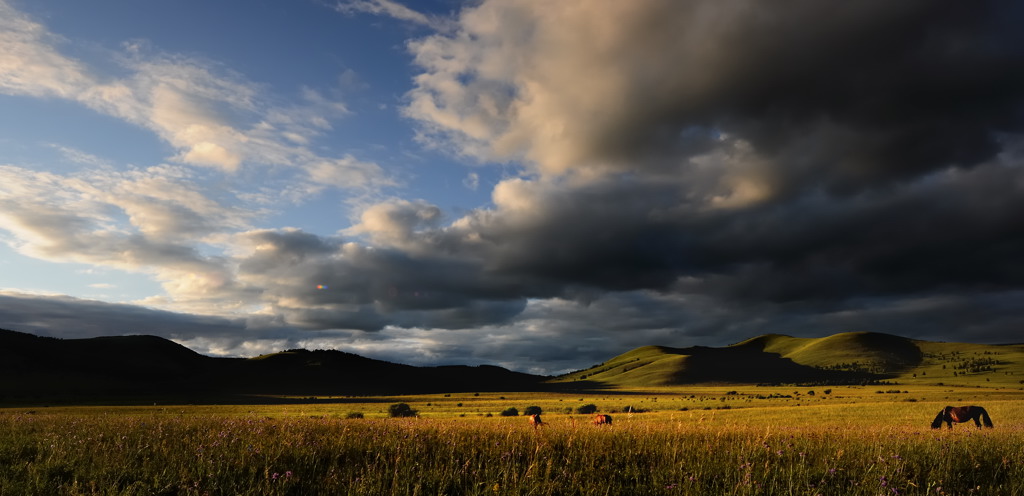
34,368
871,352
847,358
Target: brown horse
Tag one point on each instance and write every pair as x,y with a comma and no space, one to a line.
959,414
535,421
602,419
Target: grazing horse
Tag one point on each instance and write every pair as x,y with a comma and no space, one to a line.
602,419
535,421
958,414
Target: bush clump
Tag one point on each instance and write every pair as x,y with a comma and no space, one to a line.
401,410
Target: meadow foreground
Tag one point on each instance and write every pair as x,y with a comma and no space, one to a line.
880,447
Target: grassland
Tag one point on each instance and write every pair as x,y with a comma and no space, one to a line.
689,440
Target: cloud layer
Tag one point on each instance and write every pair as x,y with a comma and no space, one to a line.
697,171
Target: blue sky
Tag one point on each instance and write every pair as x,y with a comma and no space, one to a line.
534,185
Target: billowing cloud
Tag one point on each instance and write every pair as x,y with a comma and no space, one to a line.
784,153
824,96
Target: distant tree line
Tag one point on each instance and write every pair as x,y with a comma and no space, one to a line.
975,365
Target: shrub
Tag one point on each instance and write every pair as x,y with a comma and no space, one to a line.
586,409
401,410
510,412
532,410
354,415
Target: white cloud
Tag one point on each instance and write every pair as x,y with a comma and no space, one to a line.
345,172
392,9
30,65
211,116
81,157
471,181
149,221
396,223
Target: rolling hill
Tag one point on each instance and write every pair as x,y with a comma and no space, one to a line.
846,358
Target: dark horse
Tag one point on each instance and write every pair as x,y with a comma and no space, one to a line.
958,414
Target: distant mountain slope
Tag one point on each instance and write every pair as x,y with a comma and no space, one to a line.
849,358
150,366
852,351
324,371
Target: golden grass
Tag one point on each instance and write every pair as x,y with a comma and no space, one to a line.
697,440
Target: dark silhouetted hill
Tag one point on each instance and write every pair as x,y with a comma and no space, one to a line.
104,368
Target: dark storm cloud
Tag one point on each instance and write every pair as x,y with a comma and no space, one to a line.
851,95
788,161
328,283
959,229
956,231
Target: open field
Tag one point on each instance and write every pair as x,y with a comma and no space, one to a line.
692,440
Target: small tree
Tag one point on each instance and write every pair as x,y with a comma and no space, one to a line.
510,412
532,410
401,410
586,409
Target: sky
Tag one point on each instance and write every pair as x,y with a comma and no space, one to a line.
531,184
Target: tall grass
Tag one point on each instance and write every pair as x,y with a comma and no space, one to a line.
696,453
